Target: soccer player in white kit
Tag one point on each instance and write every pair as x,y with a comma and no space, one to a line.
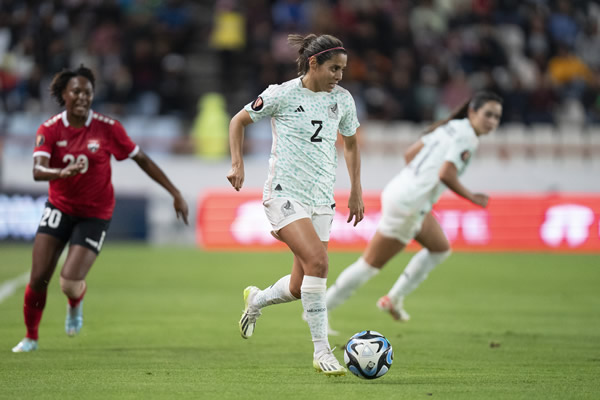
433,164
306,114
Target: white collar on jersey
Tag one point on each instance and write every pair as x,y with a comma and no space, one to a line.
87,122
307,90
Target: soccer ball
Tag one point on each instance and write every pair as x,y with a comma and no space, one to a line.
368,355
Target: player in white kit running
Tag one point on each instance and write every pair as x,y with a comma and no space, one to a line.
433,164
306,114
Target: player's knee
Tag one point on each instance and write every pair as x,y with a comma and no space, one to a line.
318,264
38,284
441,256
72,288
296,291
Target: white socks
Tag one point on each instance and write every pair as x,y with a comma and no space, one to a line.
313,300
349,280
415,272
277,293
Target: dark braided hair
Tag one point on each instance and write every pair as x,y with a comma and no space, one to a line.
61,80
312,44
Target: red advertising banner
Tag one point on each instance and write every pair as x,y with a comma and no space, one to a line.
519,222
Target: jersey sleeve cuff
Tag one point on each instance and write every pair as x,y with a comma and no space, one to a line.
41,153
134,152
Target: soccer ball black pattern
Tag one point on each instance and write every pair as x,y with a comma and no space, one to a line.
368,355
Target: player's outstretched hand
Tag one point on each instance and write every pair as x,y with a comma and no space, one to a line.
181,208
236,176
72,169
357,209
481,199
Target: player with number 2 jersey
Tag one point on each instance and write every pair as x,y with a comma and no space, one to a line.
306,115
305,127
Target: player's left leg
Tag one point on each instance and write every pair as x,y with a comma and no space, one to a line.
87,239
436,249
72,281
379,251
311,252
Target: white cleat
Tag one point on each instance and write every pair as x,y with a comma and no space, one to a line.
25,346
250,315
330,330
74,320
395,310
326,363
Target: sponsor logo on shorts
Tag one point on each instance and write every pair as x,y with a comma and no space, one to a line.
92,242
287,209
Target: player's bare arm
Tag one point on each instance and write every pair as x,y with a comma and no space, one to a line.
154,172
449,176
43,172
352,156
413,150
236,144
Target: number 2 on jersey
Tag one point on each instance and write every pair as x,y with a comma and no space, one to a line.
315,138
70,158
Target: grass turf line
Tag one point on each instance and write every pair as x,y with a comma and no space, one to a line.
162,323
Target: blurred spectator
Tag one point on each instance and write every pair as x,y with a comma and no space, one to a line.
210,131
411,60
569,73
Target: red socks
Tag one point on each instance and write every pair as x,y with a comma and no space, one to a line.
33,308
75,302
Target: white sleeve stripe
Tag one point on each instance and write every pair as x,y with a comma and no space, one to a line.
41,153
134,152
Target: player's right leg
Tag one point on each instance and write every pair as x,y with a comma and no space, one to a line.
250,314
256,299
46,252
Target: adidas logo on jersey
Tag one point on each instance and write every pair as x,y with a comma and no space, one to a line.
299,109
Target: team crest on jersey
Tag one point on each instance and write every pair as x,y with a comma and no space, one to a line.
332,111
465,155
93,145
257,104
39,140
287,209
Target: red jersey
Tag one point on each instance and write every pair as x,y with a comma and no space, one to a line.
89,193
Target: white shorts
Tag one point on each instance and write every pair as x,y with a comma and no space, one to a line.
282,211
398,220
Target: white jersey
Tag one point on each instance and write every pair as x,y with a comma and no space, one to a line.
304,125
418,185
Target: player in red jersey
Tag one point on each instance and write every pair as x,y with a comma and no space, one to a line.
72,151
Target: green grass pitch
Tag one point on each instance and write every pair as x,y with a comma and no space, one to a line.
161,323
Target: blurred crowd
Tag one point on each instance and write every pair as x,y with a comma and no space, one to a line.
416,60
137,50
411,60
